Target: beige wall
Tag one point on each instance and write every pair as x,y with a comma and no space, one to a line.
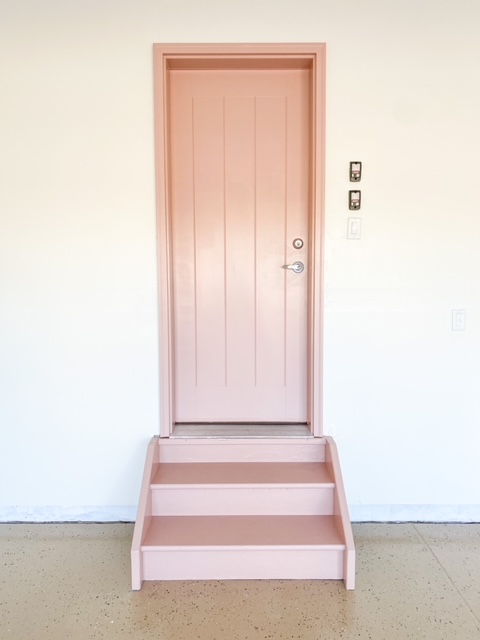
78,320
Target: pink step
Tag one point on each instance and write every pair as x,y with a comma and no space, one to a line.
250,488
238,531
243,547
270,473
241,450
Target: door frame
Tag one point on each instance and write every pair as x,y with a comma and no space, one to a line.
241,56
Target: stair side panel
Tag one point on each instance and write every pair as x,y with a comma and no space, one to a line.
341,514
144,514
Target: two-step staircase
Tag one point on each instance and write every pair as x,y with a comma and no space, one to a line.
223,508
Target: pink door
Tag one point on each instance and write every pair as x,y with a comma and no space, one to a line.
239,143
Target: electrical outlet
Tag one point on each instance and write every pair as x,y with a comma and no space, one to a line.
459,319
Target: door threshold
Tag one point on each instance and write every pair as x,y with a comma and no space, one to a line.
241,431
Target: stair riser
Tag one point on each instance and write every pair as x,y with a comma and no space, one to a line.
243,564
242,451
209,501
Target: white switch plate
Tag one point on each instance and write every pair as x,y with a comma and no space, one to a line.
354,228
459,319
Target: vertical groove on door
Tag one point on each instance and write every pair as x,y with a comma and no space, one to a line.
255,261
225,250
194,249
285,231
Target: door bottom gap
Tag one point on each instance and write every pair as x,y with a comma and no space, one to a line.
241,430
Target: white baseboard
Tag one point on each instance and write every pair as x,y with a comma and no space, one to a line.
106,513
358,513
415,513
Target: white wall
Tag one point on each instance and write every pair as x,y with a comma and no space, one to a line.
78,320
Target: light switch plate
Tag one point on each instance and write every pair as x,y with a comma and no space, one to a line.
354,228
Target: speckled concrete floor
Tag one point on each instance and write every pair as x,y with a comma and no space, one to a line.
72,581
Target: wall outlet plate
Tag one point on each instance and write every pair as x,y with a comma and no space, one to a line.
459,319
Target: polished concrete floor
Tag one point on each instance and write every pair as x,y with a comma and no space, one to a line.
62,581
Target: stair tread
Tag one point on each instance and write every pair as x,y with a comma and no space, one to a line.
237,473
242,531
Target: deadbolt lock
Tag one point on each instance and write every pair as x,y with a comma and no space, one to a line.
298,243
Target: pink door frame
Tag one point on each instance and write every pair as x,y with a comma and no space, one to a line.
265,56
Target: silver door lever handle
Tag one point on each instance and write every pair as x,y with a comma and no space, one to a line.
298,267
